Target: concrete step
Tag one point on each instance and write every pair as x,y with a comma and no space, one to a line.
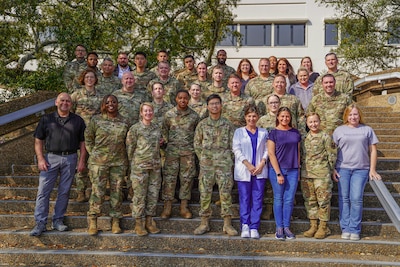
375,110
379,125
388,152
177,225
387,131
389,145
127,249
384,118
78,211
388,138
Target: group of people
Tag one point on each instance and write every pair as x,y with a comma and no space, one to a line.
144,129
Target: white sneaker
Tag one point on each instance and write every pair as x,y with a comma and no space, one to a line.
245,231
354,237
345,236
254,234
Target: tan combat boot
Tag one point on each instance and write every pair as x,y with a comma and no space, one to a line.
139,227
267,213
166,213
81,197
151,226
323,230
115,228
203,227
92,226
184,210
228,228
313,228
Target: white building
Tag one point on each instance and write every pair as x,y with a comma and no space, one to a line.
282,28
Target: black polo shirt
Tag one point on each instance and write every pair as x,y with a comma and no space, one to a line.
61,134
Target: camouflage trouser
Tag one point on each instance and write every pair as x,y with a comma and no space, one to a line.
317,194
99,175
146,187
82,180
185,168
268,193
224,180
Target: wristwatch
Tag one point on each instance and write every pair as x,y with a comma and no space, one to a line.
279,174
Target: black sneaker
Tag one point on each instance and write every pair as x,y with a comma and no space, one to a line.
289,234
38,229
279,234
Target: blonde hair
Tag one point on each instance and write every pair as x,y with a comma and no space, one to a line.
347,111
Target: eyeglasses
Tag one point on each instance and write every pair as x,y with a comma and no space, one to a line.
273,103
214,104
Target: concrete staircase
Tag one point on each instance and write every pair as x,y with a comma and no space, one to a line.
177,246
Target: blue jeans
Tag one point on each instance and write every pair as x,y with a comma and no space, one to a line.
284,195
65,166
251,196
351,191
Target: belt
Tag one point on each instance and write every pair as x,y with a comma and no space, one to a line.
64,153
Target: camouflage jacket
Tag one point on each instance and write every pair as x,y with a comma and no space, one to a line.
178,130
159,112
107,85
105,140
268,121
128,106
71,73
344,83
330,109
171,86
233,108
142,80
213,143
258,88
86,104
318,156
143,146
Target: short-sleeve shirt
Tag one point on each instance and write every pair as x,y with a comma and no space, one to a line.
61,134
353,146
286,147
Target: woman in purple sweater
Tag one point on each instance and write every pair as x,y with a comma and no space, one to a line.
284,156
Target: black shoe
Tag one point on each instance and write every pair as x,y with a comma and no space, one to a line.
59,226
38,229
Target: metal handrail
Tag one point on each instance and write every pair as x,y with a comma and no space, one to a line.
387,201
25,112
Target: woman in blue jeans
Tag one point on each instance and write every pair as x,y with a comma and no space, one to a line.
284,156
356,161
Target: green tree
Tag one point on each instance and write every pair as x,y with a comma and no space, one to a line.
369,33
48,30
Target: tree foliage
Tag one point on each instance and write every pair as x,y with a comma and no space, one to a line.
366,30
48,30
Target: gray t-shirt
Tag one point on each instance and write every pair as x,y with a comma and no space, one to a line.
353,146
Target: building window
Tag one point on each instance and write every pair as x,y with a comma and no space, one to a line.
256,35
331,34
290,34
394,31
229,39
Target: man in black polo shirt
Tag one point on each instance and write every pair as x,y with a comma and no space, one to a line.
62,134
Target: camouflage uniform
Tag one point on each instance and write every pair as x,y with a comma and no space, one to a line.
128,105
200,108
142,79
203,84
228,70
108,161
212,89
178,132
143,146
107,85
258,88
330,109
85,104
159,111
187,77
171,86
213,147
319,158
296,109
233,108
344,83
71,73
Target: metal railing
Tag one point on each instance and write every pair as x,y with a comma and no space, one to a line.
25,112
387,201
